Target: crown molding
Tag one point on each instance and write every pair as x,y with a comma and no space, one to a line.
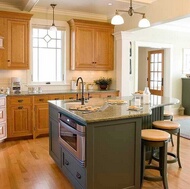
71,13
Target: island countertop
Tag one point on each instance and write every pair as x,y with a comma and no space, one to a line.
110,111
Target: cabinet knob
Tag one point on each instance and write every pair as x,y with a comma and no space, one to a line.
41,99
20,107
66,162
78,175
20,100
56,98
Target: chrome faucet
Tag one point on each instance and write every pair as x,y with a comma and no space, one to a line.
82,98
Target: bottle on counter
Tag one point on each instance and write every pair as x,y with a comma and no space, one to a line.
146,96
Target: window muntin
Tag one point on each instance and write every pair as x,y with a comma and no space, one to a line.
48,55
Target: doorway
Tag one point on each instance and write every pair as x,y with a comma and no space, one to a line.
141,65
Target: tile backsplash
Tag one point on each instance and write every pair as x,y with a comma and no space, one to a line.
88,77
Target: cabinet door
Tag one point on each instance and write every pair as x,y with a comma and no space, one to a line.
41,125
18,44
54,146
2,50
19,121
84,48
103,49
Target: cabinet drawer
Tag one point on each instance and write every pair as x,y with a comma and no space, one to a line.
2,101
40,99
56,97
2,114
78,172
94,95
3,131
19,100
70,96
107,95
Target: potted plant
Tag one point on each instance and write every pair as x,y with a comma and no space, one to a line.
103,82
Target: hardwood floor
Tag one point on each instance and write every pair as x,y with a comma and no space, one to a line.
27,164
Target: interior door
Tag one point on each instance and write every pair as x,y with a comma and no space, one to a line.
156,72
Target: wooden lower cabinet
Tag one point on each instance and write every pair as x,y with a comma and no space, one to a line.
41,117
29,114
19,121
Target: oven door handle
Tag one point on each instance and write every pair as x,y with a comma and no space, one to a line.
69,128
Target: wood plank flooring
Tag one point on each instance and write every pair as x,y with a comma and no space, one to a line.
26,164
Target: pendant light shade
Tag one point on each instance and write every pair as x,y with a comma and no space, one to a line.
118,20
144,23
53,27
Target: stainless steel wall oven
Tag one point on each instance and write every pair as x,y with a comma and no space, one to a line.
72,137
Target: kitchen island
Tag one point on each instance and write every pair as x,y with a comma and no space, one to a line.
111,141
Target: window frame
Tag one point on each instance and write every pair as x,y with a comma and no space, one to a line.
61,25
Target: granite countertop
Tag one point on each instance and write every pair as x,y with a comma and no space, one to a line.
109,111
60,92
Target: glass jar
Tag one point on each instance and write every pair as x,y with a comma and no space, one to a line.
146,96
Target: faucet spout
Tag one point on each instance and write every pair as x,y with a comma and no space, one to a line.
82,98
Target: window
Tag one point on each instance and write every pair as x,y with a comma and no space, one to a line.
48,55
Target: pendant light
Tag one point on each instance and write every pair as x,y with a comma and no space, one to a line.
53,27
118,20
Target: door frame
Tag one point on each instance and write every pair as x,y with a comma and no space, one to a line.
167,67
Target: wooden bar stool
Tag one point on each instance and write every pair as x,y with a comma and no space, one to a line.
170,117
172,128
155,139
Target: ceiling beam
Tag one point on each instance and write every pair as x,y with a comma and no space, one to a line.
27,5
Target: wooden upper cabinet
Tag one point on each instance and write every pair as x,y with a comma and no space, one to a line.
91,45
18,44
16,40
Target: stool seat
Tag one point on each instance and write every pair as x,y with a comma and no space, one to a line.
167,125
154,135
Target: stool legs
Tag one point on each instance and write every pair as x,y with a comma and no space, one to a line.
163,165
162,168
178,144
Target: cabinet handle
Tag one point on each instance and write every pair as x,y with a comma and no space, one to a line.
71,98
56,99
66,162
8,60
41,99
78,175
109,96
20,100
20,107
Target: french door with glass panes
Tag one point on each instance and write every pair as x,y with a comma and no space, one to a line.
156,71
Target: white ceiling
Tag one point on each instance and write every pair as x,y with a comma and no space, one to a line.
84,6
181,25
89,7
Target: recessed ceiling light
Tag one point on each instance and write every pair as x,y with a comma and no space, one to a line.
110,4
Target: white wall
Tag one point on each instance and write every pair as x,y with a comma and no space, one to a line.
173,43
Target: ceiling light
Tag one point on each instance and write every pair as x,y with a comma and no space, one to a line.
53,27
118,20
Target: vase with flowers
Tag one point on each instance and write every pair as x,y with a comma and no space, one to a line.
103,82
